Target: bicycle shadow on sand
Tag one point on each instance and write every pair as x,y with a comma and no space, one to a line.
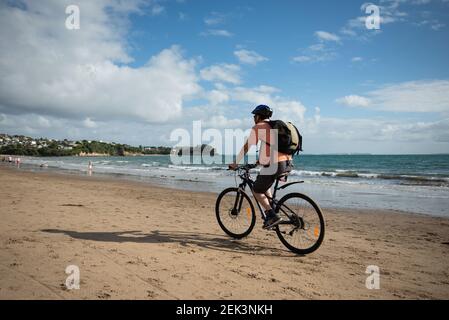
202,240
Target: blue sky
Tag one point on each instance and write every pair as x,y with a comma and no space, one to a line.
349,89
280,31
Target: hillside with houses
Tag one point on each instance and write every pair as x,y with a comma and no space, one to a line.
28,146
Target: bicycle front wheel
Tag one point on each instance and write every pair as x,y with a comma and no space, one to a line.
302,230
235,213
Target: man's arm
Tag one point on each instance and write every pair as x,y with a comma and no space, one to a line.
233,166
252,139
242,152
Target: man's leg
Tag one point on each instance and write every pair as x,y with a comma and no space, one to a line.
263,199
262,189
264,183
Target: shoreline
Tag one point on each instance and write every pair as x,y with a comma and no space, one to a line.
154,183
177,182
132,240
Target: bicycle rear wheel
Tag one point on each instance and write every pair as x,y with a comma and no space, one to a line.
235,213
302,230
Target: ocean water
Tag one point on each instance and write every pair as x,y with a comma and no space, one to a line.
412,183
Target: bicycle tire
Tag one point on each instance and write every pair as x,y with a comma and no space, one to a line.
319,213
219,218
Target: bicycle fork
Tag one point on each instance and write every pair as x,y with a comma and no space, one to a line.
238,202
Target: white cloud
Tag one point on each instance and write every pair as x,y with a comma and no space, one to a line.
419,2
348,32
437,26
78,84
74,73
222,122
157,10
412,96
134,133
216,97
313,57
301,59
318,52
215,18
391,11
434,24
89,123
222,72
217,32
327,36
354,101
322,135
284,108
249,57
242,100
73,77
357,59
382,130
375,135
43,122
317,47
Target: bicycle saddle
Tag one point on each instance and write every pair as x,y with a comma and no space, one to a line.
283,177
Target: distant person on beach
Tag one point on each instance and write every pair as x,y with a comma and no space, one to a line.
9,159
261,132
90,167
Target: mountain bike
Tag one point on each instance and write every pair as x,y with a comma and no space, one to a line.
301,229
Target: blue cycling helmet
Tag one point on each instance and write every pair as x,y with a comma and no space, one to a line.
263,110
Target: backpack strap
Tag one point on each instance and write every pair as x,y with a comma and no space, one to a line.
299,141
271,123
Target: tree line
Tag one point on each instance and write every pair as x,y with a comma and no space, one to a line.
56,149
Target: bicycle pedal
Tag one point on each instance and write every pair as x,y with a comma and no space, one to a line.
271,228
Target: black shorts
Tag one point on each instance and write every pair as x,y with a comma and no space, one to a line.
264,181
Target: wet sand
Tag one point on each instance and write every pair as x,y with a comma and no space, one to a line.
132,240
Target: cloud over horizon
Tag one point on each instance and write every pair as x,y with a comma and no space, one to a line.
412,96
112,81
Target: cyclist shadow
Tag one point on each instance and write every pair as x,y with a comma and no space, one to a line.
203,240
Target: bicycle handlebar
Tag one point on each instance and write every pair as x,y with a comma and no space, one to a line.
245,167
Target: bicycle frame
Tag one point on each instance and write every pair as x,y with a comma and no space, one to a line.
295,219
247,181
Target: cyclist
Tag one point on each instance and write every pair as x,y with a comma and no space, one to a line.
273,164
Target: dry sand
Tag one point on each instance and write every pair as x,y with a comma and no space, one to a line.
136,241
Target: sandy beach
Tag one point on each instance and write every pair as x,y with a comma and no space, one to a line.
132,240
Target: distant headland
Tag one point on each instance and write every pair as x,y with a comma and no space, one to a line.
43,147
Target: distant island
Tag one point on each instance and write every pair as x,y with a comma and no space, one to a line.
194,151
42,147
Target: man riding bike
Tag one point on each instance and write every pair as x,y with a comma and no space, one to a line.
274,162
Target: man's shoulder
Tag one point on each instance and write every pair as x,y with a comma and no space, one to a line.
262,125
